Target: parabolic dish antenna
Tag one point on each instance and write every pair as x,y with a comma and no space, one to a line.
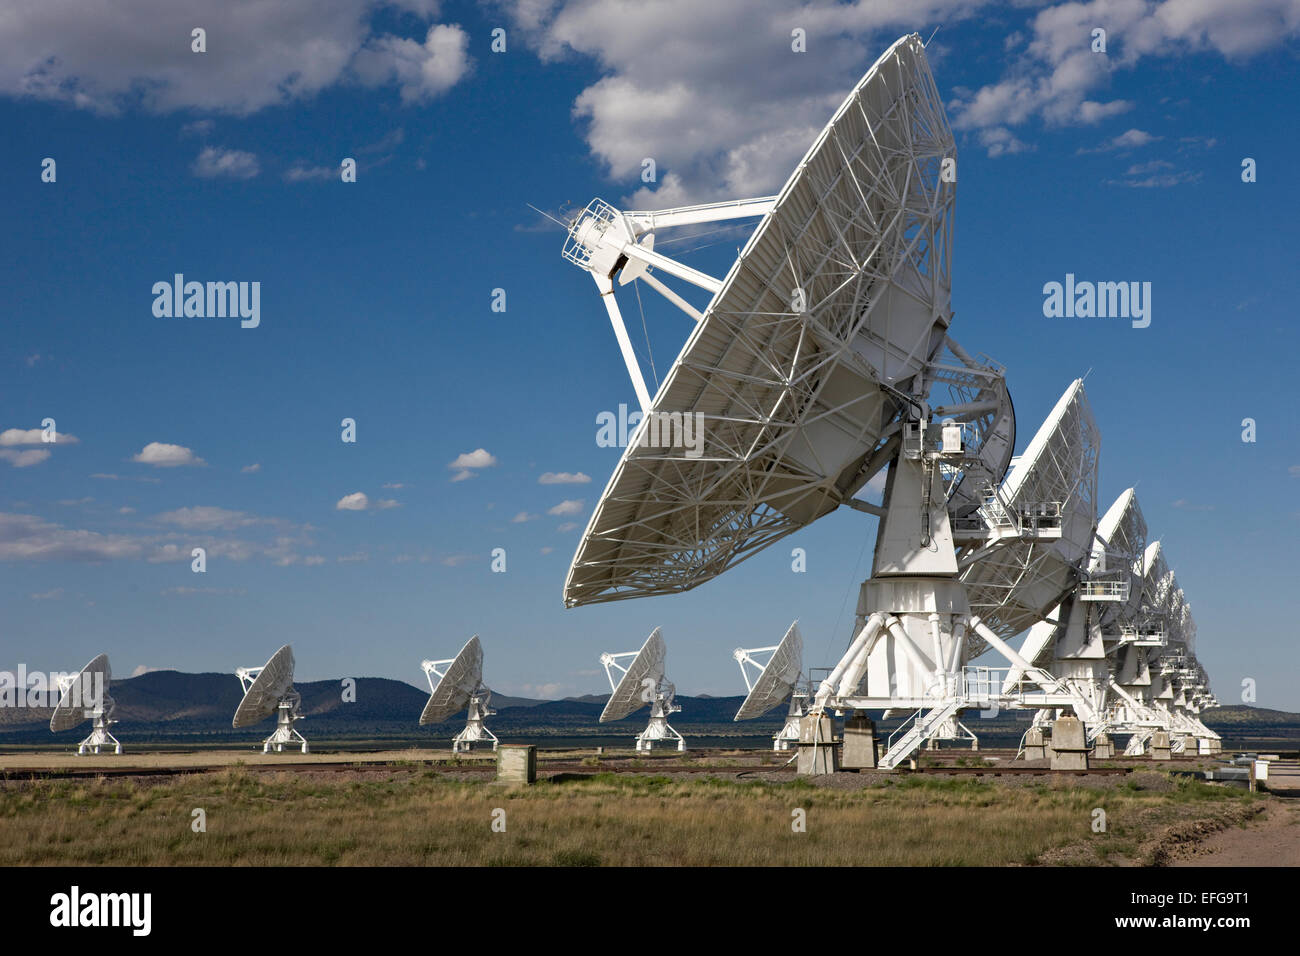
796,374
269,690
1037,528
639,682
778,680
85,697
459,685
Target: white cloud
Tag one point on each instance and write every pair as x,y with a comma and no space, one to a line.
29,538
563,478
569,507
33,436
357,501
162,455
136,53
312,560
47,595
567,526
522,517
394,485
300,173
466,465
251,469
384,504
1057,76
208,518
213,162
421,70
711,91
360,557
26,458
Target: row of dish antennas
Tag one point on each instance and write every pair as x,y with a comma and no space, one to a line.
455,685
824,358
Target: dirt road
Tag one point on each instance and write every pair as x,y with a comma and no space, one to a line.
1273,839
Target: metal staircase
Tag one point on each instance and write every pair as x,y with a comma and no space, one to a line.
922,726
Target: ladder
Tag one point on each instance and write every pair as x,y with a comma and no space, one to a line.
919,732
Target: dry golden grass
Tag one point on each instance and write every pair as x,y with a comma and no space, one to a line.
421,818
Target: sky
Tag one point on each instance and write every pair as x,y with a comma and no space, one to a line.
476,427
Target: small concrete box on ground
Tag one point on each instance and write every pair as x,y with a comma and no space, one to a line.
1160,749
1035,744
861,750
1103,748
817,750
1069,744
517,763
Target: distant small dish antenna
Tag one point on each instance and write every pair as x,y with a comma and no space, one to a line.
85,697
778,677
459,685
639,682
269,690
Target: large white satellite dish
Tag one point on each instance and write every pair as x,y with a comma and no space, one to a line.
800,366
823,358
269,690
778,678
85,697
459,685
642,681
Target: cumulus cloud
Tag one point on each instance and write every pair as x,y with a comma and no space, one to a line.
34,436
209,518
162,455
213,162
421,70
131,54
467,465
357,501
1059,80
29,538
25,458
563,478
569,507
522,517
251,469
724,112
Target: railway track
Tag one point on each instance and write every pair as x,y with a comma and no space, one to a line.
485,768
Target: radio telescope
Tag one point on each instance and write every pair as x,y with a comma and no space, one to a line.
1078,639
85,697
641,681
269,690
823,358
460,685
778,678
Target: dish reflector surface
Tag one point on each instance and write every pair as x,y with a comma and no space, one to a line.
459,684
648,664
79,698
778,679
1014,583
843,285
263,697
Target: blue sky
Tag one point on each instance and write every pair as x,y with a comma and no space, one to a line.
376,305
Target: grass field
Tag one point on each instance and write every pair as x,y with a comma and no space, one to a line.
419,816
